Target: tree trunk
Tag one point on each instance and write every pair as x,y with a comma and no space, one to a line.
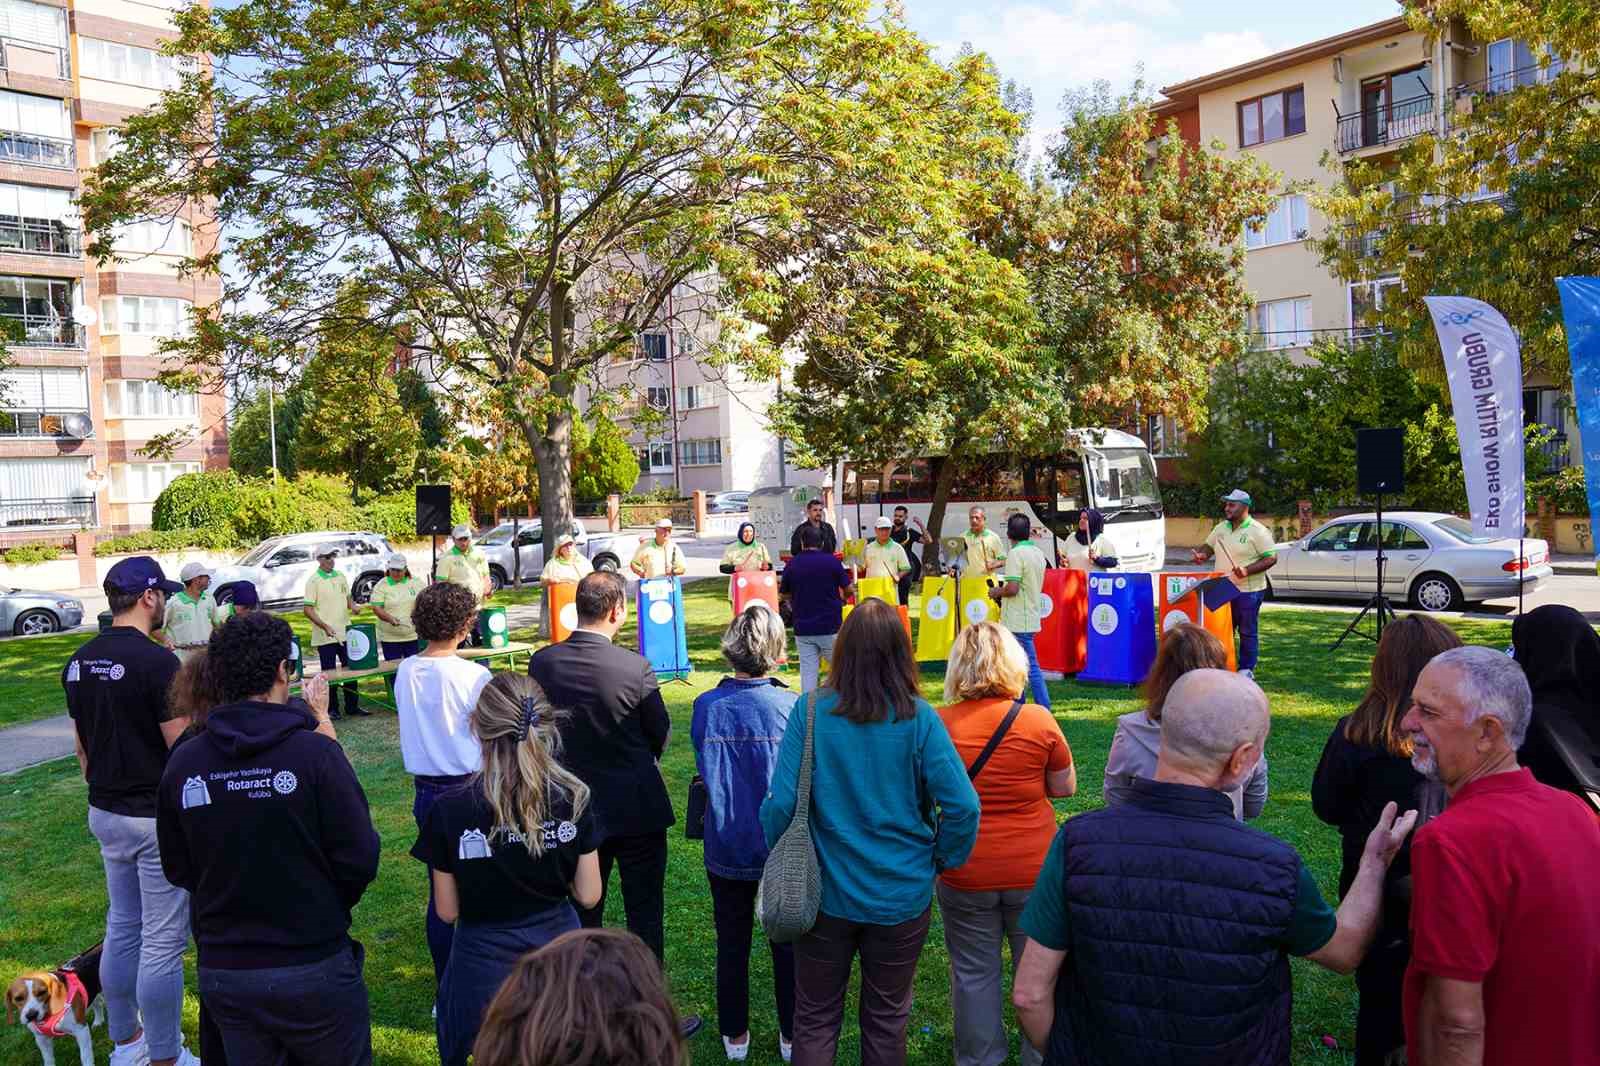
942,483
552,451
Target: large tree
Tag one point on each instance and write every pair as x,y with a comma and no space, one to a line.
1502,204
523,186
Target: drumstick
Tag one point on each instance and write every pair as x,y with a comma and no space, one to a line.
1231,564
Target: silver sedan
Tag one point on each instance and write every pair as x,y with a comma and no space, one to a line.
26,612
1431,559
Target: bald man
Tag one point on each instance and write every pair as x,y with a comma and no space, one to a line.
1160,931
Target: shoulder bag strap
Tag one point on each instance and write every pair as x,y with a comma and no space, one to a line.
994,742
802,788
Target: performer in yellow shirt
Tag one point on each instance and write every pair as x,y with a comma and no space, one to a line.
1247,551
659,557
566,566
186,626
329,606
883,557
465,565
986,553
745,553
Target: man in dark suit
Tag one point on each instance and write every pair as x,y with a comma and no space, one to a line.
616,730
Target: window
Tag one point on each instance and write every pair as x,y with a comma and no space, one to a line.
1164,435
700,452
1282,323
1514,63
104,143
1284,223
910,480
42,308
1339,537
1272,117
1367,299
148,399
289,557
34,219
143,482
155,316
657,457
654,346
33,23
694,397
1396,537
34,401
155,237
130,64
35,130
657,397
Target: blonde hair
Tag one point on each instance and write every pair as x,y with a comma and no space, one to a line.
985,660
520,771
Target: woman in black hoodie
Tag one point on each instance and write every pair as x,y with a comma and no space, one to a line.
260,817
1560,653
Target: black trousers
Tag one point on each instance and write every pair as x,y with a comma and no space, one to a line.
642,865
330,656
316,1012
733,910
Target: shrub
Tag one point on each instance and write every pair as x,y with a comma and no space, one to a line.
267,510
395,515
659,494
1564,489
153,541
206,499
26,554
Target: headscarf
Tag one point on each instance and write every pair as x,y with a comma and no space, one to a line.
1560,653
1097,526
740,536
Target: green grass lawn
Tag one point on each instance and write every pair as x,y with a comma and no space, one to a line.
52,895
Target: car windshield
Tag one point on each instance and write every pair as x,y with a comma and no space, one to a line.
1461,529
497,535
259,553
1124,478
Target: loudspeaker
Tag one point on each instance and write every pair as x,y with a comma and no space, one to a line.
433,510
1380,461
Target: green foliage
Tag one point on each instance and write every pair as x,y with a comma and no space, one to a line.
419,402
151,541
603,461
25,554
250,444
658,494
207,498
299,506
1564,489
395,515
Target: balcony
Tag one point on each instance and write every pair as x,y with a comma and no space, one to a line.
33,58
46,423
37,150
1386,124
39,236
29,331
45,512
1287,340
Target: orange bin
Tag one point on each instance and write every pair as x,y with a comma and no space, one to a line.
1063,640
1172,611
563,610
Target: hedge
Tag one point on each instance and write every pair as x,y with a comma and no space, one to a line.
196,501
25,554
167,540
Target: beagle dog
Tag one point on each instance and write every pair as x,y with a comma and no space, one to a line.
63,1002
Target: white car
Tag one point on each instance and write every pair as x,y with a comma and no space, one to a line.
279,567
1431,559
604,550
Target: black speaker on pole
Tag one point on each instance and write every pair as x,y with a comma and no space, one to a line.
433,510
1380,461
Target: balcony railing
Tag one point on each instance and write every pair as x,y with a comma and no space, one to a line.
66,423
39,236
1386,123
48,511
1285,340
28,331
36,149
30,58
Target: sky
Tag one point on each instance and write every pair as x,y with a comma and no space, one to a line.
1051,46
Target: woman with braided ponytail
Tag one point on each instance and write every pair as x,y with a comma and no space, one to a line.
509,853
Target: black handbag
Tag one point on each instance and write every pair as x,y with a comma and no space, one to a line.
694,819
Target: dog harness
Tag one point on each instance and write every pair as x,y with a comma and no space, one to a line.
75,992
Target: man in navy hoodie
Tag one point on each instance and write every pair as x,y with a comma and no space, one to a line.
260,817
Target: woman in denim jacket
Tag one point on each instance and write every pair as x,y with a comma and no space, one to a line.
736,730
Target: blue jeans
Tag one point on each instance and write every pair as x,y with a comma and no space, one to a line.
1041,693
315,1012
813,650
480,960
1246,619
440,932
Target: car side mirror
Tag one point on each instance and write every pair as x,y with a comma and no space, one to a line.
1303,543
270,564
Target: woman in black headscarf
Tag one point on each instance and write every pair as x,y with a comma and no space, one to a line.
1560,653
1090,548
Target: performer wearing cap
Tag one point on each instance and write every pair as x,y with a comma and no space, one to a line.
244,599
392,600
465,565
986,554
885,558
186,625
659,557
329,606
566,566
1248,550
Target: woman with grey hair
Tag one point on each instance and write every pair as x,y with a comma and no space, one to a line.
736,730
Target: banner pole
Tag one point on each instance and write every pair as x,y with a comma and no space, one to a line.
1521,563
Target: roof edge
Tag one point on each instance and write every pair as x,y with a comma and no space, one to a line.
1182,91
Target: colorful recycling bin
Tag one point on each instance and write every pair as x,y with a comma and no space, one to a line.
361,645
663,639
1122,628
493,632
936,630
1172,610
563,610
751,586
976,603
1062,643
878,588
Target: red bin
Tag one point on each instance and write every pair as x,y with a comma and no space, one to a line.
1063,640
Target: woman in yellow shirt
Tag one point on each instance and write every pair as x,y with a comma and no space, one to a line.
566,566
745,553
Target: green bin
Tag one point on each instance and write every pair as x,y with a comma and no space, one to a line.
492,629
361,645
296,660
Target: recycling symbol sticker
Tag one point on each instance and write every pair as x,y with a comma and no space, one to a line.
356,644
1046,607
977,611
661,612
937,608
1104,619
1173,620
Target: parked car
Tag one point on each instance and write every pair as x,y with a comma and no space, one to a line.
1433,560
603,549
279,566
728,502
26,612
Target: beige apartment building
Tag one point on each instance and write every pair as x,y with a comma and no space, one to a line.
1356,95
80,398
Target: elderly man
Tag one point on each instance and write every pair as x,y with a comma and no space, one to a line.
659,557
1505,923
465,565
186,626
1160,931
985,553
884,557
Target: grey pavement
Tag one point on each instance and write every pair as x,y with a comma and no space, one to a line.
32,743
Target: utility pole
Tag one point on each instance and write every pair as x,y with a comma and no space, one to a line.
272,430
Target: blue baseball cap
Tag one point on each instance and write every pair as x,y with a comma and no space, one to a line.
137,574
245,595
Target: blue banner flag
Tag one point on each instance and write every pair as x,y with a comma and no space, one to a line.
1580,306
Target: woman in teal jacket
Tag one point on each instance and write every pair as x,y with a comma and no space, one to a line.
891,806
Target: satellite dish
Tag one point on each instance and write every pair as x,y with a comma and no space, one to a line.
77,425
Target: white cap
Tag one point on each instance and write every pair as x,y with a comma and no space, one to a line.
883,522
329,548
565,539
395,562
459,532
663,523
191,571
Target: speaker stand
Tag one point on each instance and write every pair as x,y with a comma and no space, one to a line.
1377,603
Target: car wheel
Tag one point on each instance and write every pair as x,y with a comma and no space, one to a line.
1436,592
32,623
607,563
361,591
497,578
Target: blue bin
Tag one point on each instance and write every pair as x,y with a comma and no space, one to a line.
1122,628
663,639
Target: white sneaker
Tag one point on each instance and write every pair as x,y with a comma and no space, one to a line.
785,1048
736,1052
185,1058
136,1053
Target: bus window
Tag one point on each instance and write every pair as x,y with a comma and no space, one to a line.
1070,497
1126,478
910,479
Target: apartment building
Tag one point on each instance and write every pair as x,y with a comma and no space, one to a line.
80,397
1355,95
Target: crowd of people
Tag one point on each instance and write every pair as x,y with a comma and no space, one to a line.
1156,928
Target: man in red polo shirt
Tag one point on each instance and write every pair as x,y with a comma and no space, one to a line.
1505,919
